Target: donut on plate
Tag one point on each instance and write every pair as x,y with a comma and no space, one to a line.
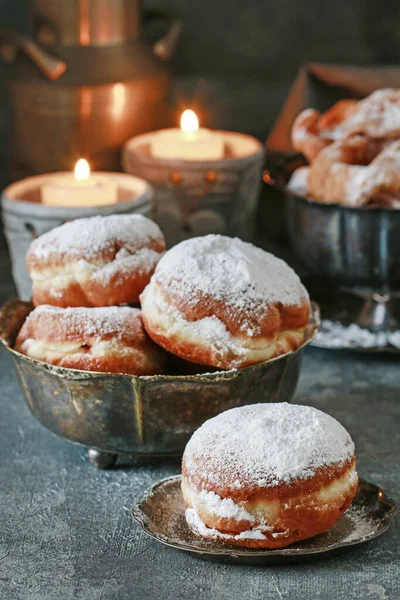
99,261
109,339
268,475
222,302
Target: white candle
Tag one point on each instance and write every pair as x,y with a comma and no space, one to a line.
189,142
79,189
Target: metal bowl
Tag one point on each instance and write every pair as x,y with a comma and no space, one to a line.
156,415
357,249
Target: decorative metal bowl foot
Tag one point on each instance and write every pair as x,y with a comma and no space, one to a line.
102,460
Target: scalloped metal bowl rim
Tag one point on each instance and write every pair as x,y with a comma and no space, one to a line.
77,374
139,515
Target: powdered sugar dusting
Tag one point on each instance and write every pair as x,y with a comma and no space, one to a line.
333,334
298,183
201,528
380,177
124,264
212,331
116,321
89,237
228,269
357,524
378,115
362,524
211,328
224,507
266,445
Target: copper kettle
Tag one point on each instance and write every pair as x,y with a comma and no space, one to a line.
85,83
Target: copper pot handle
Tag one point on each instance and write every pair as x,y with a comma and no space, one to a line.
164,48
10,41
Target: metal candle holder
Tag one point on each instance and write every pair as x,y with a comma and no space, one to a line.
24,217
199,197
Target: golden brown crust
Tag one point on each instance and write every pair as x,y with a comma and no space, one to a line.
119,289
373,117
280,329
302,523
203,354
336,115
222,302
353,151
356,171
293,513
267,320
102,261
281,492
107,339
266,475
306,137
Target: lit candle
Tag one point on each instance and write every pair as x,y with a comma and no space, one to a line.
80,188
189,142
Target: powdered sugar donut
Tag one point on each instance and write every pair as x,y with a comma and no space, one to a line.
376,117
356,172
110,339
222,302
268,475
99,261
298,183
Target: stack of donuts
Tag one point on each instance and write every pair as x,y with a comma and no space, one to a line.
213,300
353,151
260,476
84,274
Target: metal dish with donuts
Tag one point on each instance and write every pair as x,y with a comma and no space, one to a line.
348,252
114,414
342,212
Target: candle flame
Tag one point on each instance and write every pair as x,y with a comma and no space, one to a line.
82,170
189,121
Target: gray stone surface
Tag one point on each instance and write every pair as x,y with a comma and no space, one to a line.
66,531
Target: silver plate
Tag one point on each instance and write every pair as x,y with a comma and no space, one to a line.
161,514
